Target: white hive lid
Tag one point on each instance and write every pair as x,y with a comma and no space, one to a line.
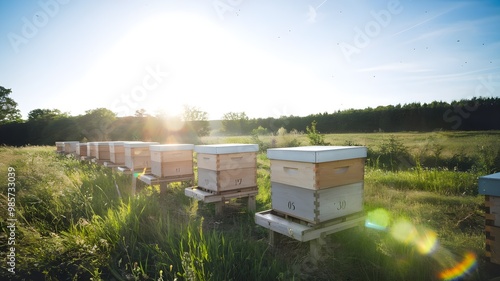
171,147
138,144
226,148
317,154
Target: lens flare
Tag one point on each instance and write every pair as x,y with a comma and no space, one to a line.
138,175
458,271
404,231
378,219
426,242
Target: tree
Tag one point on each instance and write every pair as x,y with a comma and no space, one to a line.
197,120
8,107
45,114
97,124
315,138
235,123
141,113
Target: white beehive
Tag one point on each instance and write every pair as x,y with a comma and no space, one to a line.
317,183
81,149
117,152
137,155
70,146
59,146
172,160
489,186
91,150
226,167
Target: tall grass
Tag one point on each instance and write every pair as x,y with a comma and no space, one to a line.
440,181
79,221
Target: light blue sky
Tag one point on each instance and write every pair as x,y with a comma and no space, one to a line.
265,58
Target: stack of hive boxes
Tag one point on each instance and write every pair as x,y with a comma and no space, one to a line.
316,184
490,186
138,155
102,150
91,150
81,150
70,147
59,146
172,160
227,167
117,152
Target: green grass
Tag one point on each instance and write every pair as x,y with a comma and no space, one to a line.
78,221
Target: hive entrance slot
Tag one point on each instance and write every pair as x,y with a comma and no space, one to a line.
341,170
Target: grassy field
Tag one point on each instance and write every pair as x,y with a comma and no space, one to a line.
78,221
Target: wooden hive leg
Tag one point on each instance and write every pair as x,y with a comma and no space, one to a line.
218,207
134,183
316,246
272,238
251,203
163,186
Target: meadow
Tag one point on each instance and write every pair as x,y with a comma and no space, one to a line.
78,220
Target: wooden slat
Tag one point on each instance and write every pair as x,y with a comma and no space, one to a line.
152,179
210,197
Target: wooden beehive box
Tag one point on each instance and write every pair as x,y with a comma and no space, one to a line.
490,186
317,167
137,155
59,146
226,167
81,149
91,150
172,160
316,206
117,152
70,146
102,150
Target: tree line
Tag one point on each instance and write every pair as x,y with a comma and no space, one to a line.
46,126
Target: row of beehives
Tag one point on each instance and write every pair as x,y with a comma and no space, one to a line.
312,183
220,167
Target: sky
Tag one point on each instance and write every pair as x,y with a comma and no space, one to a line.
264,58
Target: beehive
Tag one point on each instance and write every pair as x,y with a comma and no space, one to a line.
227,167
317,183
70,146
59,146
137,155
490,186
81,149
91,150
102,150
117,152
172,160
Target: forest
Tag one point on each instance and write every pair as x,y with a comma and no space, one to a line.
45,126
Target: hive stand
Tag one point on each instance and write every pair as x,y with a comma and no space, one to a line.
151,179
132,173
219,199
303,231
